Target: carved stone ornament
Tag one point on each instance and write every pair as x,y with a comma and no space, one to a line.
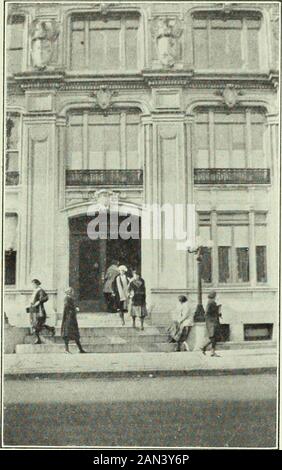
104,199
103,97
44,34
166,32
230,96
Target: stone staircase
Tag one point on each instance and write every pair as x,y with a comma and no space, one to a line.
103,333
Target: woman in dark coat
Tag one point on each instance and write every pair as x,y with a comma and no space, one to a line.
137,299
69,328
37,311
212,323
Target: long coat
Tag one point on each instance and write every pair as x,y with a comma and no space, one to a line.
121,291
37,310
69,328
137,295
111,274
212,320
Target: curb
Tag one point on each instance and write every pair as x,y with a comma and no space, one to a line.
140,374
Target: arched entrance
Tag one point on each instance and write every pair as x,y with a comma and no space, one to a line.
89,258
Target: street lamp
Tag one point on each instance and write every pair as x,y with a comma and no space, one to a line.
199,252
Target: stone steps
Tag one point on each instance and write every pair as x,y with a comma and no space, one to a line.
101,339
115,347
124,331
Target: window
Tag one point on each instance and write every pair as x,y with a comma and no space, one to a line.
11,222
258,332
104,44
227,41
230,253
15,31
12,150
230,140
103,142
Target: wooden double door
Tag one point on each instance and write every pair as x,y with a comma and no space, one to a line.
89,260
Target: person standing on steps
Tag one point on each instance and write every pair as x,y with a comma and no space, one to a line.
37,311
69,328
111,273
212,323
137,299
120,288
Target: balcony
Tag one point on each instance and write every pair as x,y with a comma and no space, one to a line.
104,177
12,178
231,176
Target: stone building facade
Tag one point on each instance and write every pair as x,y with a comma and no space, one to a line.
154,103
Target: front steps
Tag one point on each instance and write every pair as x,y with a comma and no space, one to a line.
103,333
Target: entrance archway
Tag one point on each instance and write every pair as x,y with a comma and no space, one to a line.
90,258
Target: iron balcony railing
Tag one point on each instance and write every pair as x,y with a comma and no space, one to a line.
104,177
231,176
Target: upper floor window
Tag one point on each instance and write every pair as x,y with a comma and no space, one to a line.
15,33
99,142
227,41
230,139
102,45
12,142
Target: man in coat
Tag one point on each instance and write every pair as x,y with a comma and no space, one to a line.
212,323
111,273
37,311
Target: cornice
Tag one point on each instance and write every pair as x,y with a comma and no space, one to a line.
60,81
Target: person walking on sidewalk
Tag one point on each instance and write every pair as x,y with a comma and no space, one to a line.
137,299
212,323
111,273
185,317
69,327
37,311
120,288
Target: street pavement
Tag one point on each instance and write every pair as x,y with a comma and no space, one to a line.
163,363
222,411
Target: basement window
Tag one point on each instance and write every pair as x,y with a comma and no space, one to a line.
258,331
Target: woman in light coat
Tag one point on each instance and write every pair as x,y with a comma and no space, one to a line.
120,288
184,316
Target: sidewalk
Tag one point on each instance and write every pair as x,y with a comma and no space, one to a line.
61,365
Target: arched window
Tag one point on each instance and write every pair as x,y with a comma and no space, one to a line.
229,41
104,44
104,142
15,41
225,139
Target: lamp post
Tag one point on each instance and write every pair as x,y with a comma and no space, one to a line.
199,251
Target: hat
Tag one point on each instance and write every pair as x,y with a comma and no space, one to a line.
212,294
36,281
122,268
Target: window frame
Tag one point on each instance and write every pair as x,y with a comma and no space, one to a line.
24,44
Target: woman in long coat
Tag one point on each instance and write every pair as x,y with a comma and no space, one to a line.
212,324
37,311
69,328
111,273
137,296
184,320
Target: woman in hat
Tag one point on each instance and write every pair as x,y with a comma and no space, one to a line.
37,311
212,323
120,288
110,276
69,328
180,329
137,299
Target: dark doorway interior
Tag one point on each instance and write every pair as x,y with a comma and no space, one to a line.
89,260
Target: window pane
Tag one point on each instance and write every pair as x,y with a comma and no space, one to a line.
224,263
13,137
206,265
78,50
112,147
202,146
238,146
261,263
97,50
12,162
253,48
222,145
242,264
217,48
96,147
201,48
14,61
132,132
10,267
234,48
112,61
131,49
75,148
257,138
